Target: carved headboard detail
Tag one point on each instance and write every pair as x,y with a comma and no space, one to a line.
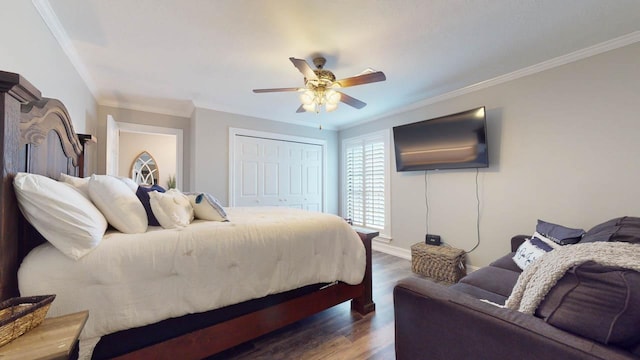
45,127
39,117
37,136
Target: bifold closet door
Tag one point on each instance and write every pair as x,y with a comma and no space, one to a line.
271,172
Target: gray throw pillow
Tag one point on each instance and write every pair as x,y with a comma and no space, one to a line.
558,233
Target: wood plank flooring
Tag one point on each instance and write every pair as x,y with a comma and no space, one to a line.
336,333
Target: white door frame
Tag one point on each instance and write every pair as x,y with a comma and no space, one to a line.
148,129
233,132
113,146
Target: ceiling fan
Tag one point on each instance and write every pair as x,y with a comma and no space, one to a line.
321,87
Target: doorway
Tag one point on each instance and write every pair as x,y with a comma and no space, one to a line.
165,144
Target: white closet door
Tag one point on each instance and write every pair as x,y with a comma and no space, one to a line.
312,178
270,172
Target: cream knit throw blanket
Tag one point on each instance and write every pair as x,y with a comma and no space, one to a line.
540,276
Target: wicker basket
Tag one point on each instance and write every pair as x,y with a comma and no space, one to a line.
441,263
19,315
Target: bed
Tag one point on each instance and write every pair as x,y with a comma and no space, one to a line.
38,137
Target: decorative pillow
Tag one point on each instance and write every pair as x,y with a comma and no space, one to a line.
626,229
558,233
546,240
598,302
81,184
68,220
172,208
207,207
530,251
118,203
143,195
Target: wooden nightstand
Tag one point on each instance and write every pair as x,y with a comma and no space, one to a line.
55,338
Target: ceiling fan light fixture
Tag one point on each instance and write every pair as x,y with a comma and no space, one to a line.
332,97
330,107
314,98
308,97
310,107
320,86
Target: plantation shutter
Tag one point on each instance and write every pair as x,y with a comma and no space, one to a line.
365,167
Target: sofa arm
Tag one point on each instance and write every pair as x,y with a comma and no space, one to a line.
516,241
435,322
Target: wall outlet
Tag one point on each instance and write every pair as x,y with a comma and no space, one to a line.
431,239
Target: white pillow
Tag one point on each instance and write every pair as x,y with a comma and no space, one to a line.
68,220
529,251
129,182
172,208
118,203
81,184
207,207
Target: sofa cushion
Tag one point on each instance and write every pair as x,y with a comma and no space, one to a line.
479,293
493,279
596,302
506,262
625,229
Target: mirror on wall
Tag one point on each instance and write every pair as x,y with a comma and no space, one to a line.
144,170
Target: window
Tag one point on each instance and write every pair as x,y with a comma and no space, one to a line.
366,181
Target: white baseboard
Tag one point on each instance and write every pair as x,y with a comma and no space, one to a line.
391,250
471,268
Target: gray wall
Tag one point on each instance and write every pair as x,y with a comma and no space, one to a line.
145,118
211,150
563,147
28,48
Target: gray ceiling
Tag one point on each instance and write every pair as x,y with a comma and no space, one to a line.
170,55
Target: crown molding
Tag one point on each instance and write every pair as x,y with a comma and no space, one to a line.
600,48
56,28
317,124
184,111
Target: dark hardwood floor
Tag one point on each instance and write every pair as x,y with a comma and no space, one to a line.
337,333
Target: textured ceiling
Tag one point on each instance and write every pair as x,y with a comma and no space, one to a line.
169,55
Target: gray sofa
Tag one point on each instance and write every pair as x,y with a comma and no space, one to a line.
433,321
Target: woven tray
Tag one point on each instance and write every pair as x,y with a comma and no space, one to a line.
21,314
441,263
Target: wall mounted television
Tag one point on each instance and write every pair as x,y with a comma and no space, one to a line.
455,141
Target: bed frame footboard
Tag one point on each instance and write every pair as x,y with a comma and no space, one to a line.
364,303
219,337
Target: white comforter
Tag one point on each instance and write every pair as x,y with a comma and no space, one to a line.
135,280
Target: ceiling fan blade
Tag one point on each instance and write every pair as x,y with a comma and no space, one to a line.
351,101
362,79
301,109
275,90
303,66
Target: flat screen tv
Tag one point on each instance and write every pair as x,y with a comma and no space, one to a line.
454,141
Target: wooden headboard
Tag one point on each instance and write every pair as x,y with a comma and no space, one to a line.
37,137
